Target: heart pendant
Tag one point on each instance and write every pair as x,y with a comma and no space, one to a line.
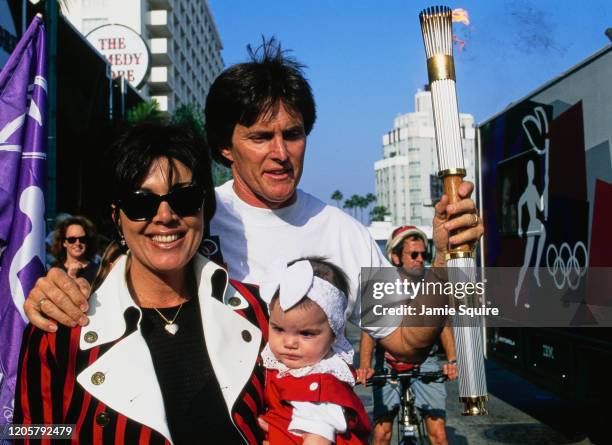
171,328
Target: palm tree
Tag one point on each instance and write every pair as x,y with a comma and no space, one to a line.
350,205
378,213
362,203
355,199
337,196
189,114
144,111
370,199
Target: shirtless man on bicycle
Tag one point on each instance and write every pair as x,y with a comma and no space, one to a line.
407,249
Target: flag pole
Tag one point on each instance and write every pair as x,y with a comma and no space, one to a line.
23,89
52,24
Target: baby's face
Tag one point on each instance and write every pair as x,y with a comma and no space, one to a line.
301,336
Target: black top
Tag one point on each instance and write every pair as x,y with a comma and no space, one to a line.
195,409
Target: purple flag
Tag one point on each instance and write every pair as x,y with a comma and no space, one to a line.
23,163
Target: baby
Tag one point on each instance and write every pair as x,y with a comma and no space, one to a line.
309,379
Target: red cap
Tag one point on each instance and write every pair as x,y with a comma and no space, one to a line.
400,234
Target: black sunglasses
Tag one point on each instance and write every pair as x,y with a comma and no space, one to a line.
74,239
415,255
142,205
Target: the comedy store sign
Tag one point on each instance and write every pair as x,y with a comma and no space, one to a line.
126,51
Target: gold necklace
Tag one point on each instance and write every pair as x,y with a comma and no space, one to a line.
171,327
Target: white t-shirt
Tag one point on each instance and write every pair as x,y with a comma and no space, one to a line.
251,238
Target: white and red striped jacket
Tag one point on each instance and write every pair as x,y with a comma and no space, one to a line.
55,383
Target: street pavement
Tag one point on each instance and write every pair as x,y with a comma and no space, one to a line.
519,412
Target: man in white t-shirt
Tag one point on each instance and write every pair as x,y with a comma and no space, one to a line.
251,238
258,116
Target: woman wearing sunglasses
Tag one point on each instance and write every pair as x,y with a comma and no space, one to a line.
169,354
74,247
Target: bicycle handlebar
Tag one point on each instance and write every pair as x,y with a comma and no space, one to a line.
381,377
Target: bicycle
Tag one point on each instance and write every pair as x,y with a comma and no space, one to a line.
410,424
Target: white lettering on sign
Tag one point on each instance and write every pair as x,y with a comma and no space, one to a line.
125,50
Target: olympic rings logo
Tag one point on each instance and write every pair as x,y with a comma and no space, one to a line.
565,267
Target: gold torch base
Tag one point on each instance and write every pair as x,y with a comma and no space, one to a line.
474,406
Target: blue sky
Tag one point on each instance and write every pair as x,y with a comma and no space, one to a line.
366,60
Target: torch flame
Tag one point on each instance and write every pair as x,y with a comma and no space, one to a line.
460,43
461,15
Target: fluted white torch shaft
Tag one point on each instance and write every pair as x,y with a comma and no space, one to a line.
436,25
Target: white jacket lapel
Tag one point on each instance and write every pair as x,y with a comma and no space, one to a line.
106,308
129,383
124,379
231,340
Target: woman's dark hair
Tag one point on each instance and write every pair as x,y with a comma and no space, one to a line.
57,247
246,91
129,159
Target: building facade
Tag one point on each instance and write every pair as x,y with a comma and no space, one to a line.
183,41
407,183
8,32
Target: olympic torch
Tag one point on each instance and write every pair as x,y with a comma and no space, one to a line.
436,26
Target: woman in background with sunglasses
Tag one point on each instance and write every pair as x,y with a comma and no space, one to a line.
169,354
74,247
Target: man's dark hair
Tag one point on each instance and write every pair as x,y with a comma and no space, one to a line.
246,91
129,159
